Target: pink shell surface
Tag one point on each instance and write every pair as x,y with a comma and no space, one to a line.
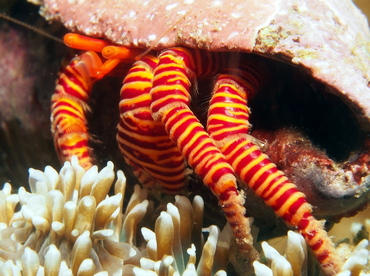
330,38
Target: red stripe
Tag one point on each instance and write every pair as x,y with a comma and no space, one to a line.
253,171
317,245
225,195
81,144
304,222
177,116
72,78
123,108
263,178
296,205
284,197
62,114
145,144
274,191
62,104
322,257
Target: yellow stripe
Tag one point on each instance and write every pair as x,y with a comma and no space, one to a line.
284,208
80,90
221,129
150,165
240,157
140,71
138,147
214,169
304,209
253,163
235,148
229,105
227,94
133,101
178,57
148,152
177,97
240,113
262,170
279,192
267,183
179,122
166,71
76,110
194,155
136,85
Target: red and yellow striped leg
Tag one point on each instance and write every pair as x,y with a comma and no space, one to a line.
143,141
170,104
70,99
228,126
70,103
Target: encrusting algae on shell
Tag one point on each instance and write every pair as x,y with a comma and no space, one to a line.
69,225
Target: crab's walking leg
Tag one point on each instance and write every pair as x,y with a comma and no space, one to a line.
143,141
228,125
70,99
171,99
70,104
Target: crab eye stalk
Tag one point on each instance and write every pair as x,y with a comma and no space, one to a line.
86,43
119,52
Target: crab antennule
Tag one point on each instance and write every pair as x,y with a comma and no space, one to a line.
228,125
143,141
171,98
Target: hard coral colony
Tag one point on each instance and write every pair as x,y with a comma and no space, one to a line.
235,81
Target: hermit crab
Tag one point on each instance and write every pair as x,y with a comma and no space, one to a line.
184,101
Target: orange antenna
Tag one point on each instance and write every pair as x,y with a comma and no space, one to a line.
32,28
158,39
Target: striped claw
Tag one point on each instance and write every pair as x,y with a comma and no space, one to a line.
70,99
143,141
68,108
